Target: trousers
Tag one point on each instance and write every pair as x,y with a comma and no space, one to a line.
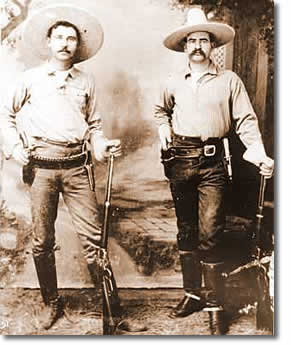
198,188
73,184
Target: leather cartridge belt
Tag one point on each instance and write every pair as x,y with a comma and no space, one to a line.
208,150
58,162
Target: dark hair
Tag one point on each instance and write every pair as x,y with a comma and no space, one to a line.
66,24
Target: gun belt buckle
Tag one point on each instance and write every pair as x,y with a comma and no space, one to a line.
209,150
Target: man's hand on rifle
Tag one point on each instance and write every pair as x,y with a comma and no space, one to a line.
114,147
267,167
20,154
102,146
256,155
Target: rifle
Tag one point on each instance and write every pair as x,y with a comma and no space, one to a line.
264,318
111,301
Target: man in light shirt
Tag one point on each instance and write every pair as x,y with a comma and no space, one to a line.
54,107
198,107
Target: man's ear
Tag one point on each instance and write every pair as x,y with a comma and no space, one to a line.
48,42
184,44
213,44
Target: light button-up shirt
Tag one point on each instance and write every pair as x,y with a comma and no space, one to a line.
57,105
207,107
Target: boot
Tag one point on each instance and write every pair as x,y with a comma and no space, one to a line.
121,323
214,283
214,287
191,271
46,272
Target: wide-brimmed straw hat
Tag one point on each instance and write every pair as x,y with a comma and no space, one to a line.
36,26
197,21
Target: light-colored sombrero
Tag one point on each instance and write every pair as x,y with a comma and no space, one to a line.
34,34
197,21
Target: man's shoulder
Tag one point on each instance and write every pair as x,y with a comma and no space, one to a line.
30,75
35,72
229,74
83,75
226,72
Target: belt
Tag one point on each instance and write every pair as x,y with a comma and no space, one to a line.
58,162
189,151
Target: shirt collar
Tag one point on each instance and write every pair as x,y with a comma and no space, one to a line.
212,69
50,70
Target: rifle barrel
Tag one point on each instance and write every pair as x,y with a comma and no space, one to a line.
107,204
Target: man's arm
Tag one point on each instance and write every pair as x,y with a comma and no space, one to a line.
14,101
100,144
163,116
247,127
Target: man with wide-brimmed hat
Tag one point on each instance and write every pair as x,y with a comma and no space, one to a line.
55,108
198,107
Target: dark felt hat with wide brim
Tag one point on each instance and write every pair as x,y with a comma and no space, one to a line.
197,21
36,26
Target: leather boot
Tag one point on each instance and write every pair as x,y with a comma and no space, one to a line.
124,324
214,286
214,283
46,272
191,271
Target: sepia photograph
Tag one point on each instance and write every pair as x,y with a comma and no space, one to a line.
137,151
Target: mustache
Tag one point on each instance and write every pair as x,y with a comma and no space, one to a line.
200,51
64,51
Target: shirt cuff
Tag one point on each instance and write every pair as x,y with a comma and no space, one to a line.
255,153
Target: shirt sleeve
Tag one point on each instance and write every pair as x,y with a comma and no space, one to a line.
94,119
246,121
13,102
164,109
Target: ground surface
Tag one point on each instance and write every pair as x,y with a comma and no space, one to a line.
20,309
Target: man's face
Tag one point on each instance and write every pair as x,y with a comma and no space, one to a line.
63,43
198,47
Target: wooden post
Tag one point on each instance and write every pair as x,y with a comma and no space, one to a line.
261,84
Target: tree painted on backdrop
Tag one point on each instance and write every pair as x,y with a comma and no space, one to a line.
13,13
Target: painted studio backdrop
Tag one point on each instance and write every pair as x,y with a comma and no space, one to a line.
129,70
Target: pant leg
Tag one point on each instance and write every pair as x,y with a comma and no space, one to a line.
211,189
82,205
184,194
44,193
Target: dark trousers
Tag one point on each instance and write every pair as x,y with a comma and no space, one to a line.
198,190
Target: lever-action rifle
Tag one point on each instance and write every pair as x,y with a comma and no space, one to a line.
111,301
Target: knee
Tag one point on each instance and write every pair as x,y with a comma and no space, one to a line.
90,250
186,242
40,246
187,237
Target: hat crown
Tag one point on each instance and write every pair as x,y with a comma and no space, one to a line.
196,16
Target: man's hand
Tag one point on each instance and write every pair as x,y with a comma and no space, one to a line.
20,154
114,146
267,167
101,147
165,136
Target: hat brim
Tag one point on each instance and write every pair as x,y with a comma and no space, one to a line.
223,34
34,34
